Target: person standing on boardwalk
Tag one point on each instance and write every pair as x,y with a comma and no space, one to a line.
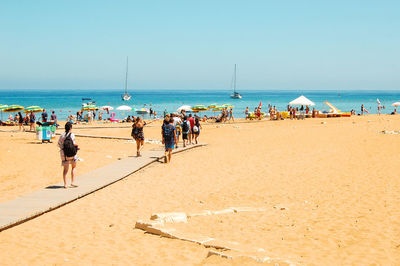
185,131
168,134
137,134
191,122
68,151
196,129
177,124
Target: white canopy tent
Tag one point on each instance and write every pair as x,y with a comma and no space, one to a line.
301,101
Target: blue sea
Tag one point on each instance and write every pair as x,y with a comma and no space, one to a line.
65,102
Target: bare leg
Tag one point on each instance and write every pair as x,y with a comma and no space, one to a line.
169,155
166,156
73,175
137,147
195,138
141,145
65,172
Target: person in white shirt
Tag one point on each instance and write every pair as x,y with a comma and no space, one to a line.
72,158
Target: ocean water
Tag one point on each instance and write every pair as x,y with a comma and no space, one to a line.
65,102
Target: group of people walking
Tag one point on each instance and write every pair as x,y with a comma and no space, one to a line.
174,126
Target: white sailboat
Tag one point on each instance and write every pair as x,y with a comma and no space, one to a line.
235,95
126,96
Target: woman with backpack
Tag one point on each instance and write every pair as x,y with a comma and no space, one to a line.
196,129
168,134
68,151
137,134
185,131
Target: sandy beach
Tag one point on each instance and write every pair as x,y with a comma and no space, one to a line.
330,189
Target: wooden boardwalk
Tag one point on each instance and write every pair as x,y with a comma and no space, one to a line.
52,197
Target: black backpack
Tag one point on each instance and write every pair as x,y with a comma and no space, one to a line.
185,127
69,147
168,133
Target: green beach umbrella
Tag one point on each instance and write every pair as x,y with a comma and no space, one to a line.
33,109
227,105
89,107
198,108
211,106
218,108
13,108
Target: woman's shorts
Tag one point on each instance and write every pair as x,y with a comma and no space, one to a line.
169,145
68,160
184,136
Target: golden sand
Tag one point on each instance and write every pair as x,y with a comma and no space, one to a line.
338,182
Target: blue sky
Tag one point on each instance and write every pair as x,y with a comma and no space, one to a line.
291,44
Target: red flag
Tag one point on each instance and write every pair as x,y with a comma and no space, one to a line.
259,106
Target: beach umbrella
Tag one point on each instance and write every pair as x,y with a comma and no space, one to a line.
90,107
186,108
211,106
107,107
124,108
301,101
13,108
2,107
33,109
396,104
198,108
218,108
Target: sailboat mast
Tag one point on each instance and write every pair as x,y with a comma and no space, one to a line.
126,76
234,80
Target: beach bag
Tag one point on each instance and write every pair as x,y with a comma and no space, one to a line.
185,127
168,133
69,147
195,129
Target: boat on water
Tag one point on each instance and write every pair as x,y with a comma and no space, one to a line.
235,94
126,96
